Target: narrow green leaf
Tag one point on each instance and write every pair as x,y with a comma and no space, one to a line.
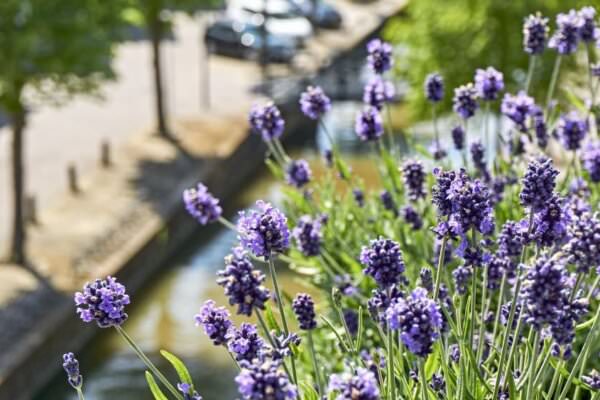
180,368
156,392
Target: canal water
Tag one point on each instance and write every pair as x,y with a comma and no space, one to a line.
162,314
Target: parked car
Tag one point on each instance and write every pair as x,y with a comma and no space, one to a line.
283,18
241,40
324,16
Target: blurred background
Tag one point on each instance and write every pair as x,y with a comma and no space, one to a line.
109,108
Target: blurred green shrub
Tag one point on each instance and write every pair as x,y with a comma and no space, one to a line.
455,37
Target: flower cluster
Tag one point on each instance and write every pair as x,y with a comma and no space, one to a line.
458,137
383,262
369,125
571,129
518,108
308,235
591,160
215,321
418,318
380,58
539,182
361,385
489,83
201,204
413,174
470,204
535,34
242,283
465,101
245,343
434,88
566,38
314,102
71,367
583,246
304,308
378,92
264,231
264,380
298,173
266,121
102,301
188,392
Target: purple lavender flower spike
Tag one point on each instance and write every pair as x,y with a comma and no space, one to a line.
412,217
201,204
361,385
264,231
478,157
461,276
535,34
264,380
518,108
383,262
359,197
590,158
458,137
588,31
298,173
544,291
566,38
571,129
489,83
413,175
369,125
380,300
215,321
511,239
539,182
550,223
434,87
188,392
103,301
351,320
441,191
245,343
471,205
592,379
388,202
242,283
314,102
380,58
465,101
540,127
496,268
71,367
304,308
378,92
418,318
308,235
583,247
266,121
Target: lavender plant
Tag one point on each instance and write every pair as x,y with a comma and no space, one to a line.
479,281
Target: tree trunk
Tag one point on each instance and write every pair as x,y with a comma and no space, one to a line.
17,252
155,30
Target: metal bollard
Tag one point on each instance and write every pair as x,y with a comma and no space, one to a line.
105,159
72,177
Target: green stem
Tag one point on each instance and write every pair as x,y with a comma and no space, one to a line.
425,392
313,354
531,379
281,310
227,224
482,316
555,379
275,154
530,70
583,355
281,150
80,394
265,329
148,363
553,81
438,272
390,363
